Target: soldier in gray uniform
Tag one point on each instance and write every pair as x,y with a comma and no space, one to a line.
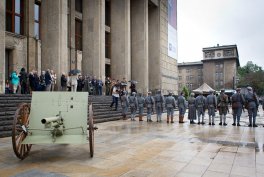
124,104
170,105
252,106
200,103
222,104
141,102
159,101
149,101
182,107
237,101
133,103
192,109
211,103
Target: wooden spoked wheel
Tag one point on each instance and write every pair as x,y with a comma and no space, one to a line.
21,120
91,130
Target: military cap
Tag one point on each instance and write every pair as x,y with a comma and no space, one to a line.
192,94
222,90
249,88
238,89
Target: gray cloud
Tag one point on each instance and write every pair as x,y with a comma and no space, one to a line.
206,23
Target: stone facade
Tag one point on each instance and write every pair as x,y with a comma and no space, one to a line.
168,65
219,68
190,75
2,46
137,31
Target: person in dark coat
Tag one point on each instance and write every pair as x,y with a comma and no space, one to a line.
42,83
23,77
63,82
48,80
31,82
80,83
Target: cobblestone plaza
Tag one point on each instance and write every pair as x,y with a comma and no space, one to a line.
125,148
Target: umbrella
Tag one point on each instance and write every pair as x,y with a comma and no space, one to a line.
75,71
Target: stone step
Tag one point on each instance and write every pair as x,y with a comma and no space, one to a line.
9,104
6,117
5,134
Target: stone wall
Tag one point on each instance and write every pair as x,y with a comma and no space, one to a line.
17,46
2,46
169,69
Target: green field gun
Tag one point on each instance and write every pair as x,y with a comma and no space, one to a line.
63,120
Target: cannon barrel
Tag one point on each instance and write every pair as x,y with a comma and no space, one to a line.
50,119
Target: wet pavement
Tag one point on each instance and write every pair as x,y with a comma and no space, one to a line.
125,148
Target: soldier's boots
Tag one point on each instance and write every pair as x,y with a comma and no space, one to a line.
124,117
168,119
172,120
140,118
181,119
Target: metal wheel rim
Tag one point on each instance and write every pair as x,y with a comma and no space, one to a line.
18,135
91,130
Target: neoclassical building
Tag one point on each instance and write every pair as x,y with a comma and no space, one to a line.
135,39
218,69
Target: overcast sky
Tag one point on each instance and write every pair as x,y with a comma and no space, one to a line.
206,23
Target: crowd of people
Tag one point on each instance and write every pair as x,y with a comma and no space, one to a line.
196,106
25,83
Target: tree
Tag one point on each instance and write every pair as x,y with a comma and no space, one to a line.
252,75
186,92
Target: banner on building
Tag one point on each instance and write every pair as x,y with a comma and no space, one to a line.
172,29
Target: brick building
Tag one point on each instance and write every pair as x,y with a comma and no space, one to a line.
218,69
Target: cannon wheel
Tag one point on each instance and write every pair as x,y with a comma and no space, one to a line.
91,130
18,134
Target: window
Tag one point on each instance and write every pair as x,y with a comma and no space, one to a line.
180,70
78,34
14,16
187,78
36,20
191,77
107,45
107,13
180,78
188,70
78,5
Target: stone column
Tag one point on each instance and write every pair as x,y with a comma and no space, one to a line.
93,61
72,36
154,48
139,43
54,36
29,31
2,46
120,39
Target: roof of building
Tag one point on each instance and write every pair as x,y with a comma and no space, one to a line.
190,63
219,47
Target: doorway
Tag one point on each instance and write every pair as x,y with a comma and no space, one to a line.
7,64
107,70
